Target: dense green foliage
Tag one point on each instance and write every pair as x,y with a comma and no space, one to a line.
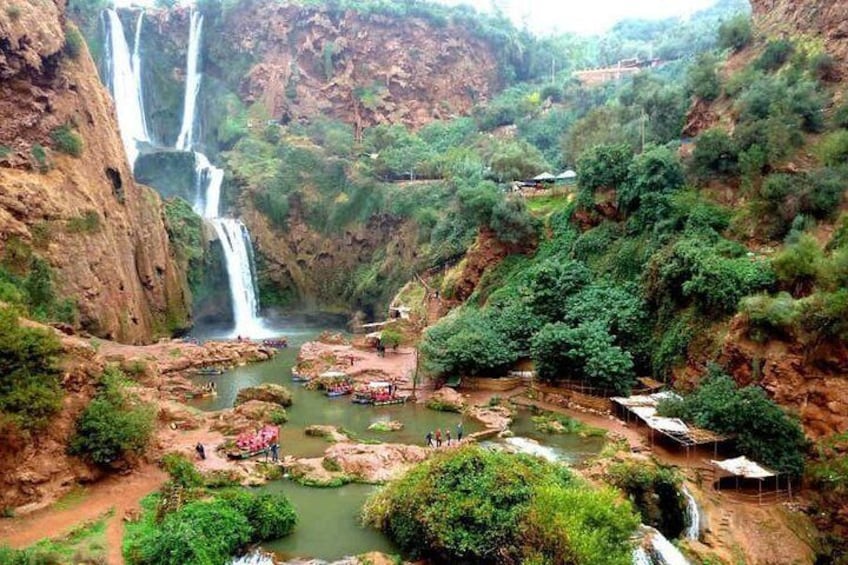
115,425
188,523
477,506
655,491
30,389
762,429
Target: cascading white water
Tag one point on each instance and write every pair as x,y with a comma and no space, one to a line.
255,558
232,233
693,516
236,243
208,182
185,139
657,549
125,81
533,447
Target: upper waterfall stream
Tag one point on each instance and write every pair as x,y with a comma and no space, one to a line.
126,83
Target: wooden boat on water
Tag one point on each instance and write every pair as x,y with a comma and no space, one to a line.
250,445
298,378
208,371
379,393
276,343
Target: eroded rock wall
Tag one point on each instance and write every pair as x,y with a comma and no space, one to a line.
364,69
117,265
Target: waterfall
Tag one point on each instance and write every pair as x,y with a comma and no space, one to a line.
125,82
236,242
693,516
185,140
232,233
655,549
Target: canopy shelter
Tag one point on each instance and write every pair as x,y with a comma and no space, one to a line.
545,177
567,175
644,408
742,468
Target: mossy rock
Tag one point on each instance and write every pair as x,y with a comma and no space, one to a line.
267,392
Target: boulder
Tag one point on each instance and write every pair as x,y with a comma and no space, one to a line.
386,426
375,463
330,433
446,400
267,392
493,417
247,417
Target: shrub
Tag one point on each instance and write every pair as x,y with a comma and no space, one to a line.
763,430
74,41
14,12
799,266
735,33
655,490
182,471
89,222
40,156
776,53
391,337
30,392
67,140
770,316
702,78
475,506
825,315
512,222
115,425
715,153
833,149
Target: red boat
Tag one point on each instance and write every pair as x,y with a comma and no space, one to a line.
250,445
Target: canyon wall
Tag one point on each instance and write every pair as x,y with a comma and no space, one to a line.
103,235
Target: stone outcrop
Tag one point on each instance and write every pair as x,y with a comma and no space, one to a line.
809,380
823,19
446,400
357,67
103,235
247,417
266,392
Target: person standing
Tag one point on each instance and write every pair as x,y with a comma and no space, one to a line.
439,437
275,452
201,452
447,436
429,437
459,432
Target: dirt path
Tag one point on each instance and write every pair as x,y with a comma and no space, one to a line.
120,493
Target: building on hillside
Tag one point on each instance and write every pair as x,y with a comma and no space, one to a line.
624,68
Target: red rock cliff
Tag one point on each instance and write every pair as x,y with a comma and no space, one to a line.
117,264
826,19
365,69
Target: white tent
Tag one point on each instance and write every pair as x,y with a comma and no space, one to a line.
544,176
569,174
744,467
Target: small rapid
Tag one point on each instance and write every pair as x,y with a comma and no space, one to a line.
693,516
655,549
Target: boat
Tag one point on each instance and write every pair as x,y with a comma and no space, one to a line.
298,378
276,343
360,397
250,445
209,371
390,401
337,393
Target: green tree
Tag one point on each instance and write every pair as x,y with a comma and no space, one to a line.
702,78
656,171
602,166
115,425
30,391
715,153
735,33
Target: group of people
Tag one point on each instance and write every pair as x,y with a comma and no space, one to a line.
437,437
273,452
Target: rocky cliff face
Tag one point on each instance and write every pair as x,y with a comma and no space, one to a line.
825,19
360,68
103,235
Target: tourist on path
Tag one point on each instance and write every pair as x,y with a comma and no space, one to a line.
275,452
429,437
459,432
439,438
200,450
447,437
